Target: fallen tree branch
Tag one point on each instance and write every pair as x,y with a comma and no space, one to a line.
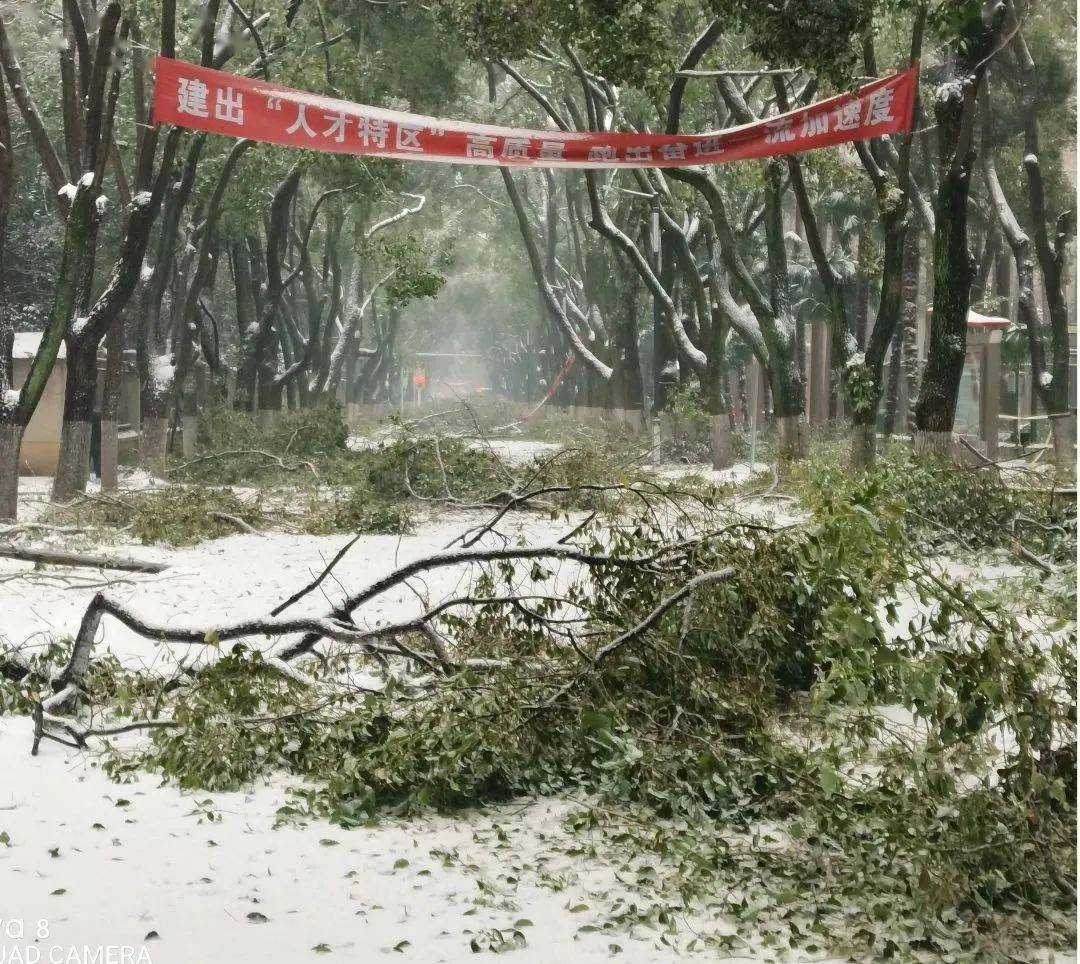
236,521
269,456
314,584
608,650
58,557
442,560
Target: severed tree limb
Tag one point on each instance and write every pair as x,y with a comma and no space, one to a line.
383,640
609,649
314,584
236,521
57,557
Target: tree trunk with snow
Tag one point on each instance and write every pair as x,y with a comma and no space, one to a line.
11,428
17,408
156,393
1051,377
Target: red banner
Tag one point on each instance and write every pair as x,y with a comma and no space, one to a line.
223,103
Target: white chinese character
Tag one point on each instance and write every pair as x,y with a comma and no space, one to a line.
708,145
479,145
779,131
879,107
848,116
229,106
673,152
337,126
551,151
814,124
372,130
191,98
603,152
300,122
515,147
639,153
408,138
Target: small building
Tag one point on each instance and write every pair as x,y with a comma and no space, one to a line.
41,442
40,451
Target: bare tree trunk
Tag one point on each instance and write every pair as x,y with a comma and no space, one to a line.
913,273
153,441
935,410
954,110
11,427
110,405
11,434
73,465
861,313
1051,381
903,344
665,364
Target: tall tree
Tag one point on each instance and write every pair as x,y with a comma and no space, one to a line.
955,107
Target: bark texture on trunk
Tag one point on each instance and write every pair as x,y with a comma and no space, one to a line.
110,456
73,467
863,446
1063,432
80,392
11,434
939,443
904,361
155,433
720,426
189,429
110,405
935,410
791,431
954,269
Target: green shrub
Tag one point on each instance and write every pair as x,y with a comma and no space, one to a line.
943,504
355,511
233,449
430,468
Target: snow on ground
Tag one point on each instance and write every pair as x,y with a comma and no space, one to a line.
108,864
245,575
104,872
737,474
514,452
517,451
238,577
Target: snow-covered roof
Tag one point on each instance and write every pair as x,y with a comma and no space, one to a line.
26,344
975,320
983,322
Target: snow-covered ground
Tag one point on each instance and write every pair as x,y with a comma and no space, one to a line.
237,577
513,451
108,864
738,474
517,451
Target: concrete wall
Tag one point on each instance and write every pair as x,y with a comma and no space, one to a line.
41,443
